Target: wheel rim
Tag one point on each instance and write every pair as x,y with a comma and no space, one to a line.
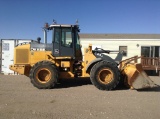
43,75
105,76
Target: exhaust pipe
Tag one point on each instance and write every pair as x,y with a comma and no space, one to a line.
45,32
45,36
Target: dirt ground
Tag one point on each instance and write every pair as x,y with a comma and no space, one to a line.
75,99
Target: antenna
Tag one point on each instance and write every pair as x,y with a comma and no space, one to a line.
76,21
54,21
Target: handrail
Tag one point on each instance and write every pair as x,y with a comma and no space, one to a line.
150,61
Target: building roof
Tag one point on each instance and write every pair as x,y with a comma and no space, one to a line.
119,36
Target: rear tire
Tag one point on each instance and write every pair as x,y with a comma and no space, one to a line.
105,75
44,75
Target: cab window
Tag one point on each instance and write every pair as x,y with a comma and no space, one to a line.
57,35
67,37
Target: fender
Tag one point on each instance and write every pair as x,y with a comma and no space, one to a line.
98,59
92,63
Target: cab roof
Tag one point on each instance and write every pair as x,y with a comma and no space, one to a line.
62,25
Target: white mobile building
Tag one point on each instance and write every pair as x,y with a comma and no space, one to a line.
0,54
147,45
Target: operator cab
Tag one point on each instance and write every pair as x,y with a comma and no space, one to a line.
65,41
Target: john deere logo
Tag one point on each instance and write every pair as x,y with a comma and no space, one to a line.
56,51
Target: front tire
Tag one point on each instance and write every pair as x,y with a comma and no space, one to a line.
105,75
44,75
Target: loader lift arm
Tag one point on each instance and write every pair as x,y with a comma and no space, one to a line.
100,50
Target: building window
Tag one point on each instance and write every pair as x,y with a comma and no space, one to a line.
5,46
124,49
146,51
150,51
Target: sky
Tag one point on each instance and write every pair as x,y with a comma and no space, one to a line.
24,19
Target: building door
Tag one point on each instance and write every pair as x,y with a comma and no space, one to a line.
157,49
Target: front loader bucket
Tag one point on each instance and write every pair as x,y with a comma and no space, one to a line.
136,77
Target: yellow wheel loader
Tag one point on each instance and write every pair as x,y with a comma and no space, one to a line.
47,63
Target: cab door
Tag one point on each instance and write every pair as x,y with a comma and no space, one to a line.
63,42
66,47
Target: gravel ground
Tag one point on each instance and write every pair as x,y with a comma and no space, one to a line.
75,99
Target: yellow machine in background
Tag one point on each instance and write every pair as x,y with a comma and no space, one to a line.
46,63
